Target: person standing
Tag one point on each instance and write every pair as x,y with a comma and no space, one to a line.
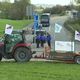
38,40
40,26
49,40
43,39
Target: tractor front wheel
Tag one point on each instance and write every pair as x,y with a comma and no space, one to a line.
22,54
77,59
0,57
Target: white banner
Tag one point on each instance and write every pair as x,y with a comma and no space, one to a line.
57,28
64,46
77,35
8,29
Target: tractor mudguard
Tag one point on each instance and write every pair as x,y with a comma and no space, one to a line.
21,45
1,48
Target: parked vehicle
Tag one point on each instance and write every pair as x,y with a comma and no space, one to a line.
45,19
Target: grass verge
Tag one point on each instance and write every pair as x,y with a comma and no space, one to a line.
39,71
17,24
72,25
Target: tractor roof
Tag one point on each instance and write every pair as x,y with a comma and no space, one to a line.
17,31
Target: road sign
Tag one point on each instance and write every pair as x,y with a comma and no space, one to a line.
29,10
8,29
64,46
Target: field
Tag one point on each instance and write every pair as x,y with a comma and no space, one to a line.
17,24
39,71
73,25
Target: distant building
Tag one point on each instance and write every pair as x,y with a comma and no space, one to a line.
74,14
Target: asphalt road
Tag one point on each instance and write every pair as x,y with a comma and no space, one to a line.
64,34
51,29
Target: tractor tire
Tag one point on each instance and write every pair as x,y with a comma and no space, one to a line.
77,59
22,54
0,57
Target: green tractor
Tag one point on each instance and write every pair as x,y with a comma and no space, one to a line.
14,46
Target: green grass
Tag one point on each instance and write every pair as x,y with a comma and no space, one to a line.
18,24
75,24
72,25
39,71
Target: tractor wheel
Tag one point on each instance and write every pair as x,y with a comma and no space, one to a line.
77,59
0,57
22,54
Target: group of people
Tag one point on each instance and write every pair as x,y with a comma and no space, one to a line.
42,38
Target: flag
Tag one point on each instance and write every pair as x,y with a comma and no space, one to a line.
8,29
77,35
36,18
57,28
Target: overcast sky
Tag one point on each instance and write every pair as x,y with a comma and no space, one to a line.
54,2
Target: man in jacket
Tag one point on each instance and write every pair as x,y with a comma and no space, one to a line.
43,39
38,40
49,40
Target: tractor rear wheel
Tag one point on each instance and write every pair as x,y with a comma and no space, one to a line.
22,54
0,57
77,59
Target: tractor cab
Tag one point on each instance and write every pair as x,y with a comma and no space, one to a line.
15,46
12,40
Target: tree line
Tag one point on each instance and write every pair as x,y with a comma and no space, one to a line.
58,9
16,10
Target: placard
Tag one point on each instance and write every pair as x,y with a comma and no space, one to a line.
8,29
64,46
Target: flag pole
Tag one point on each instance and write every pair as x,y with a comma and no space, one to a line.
54,38
56,30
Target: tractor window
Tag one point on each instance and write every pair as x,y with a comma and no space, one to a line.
44,17
13,38
28,38
11,41
1,39
16,37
